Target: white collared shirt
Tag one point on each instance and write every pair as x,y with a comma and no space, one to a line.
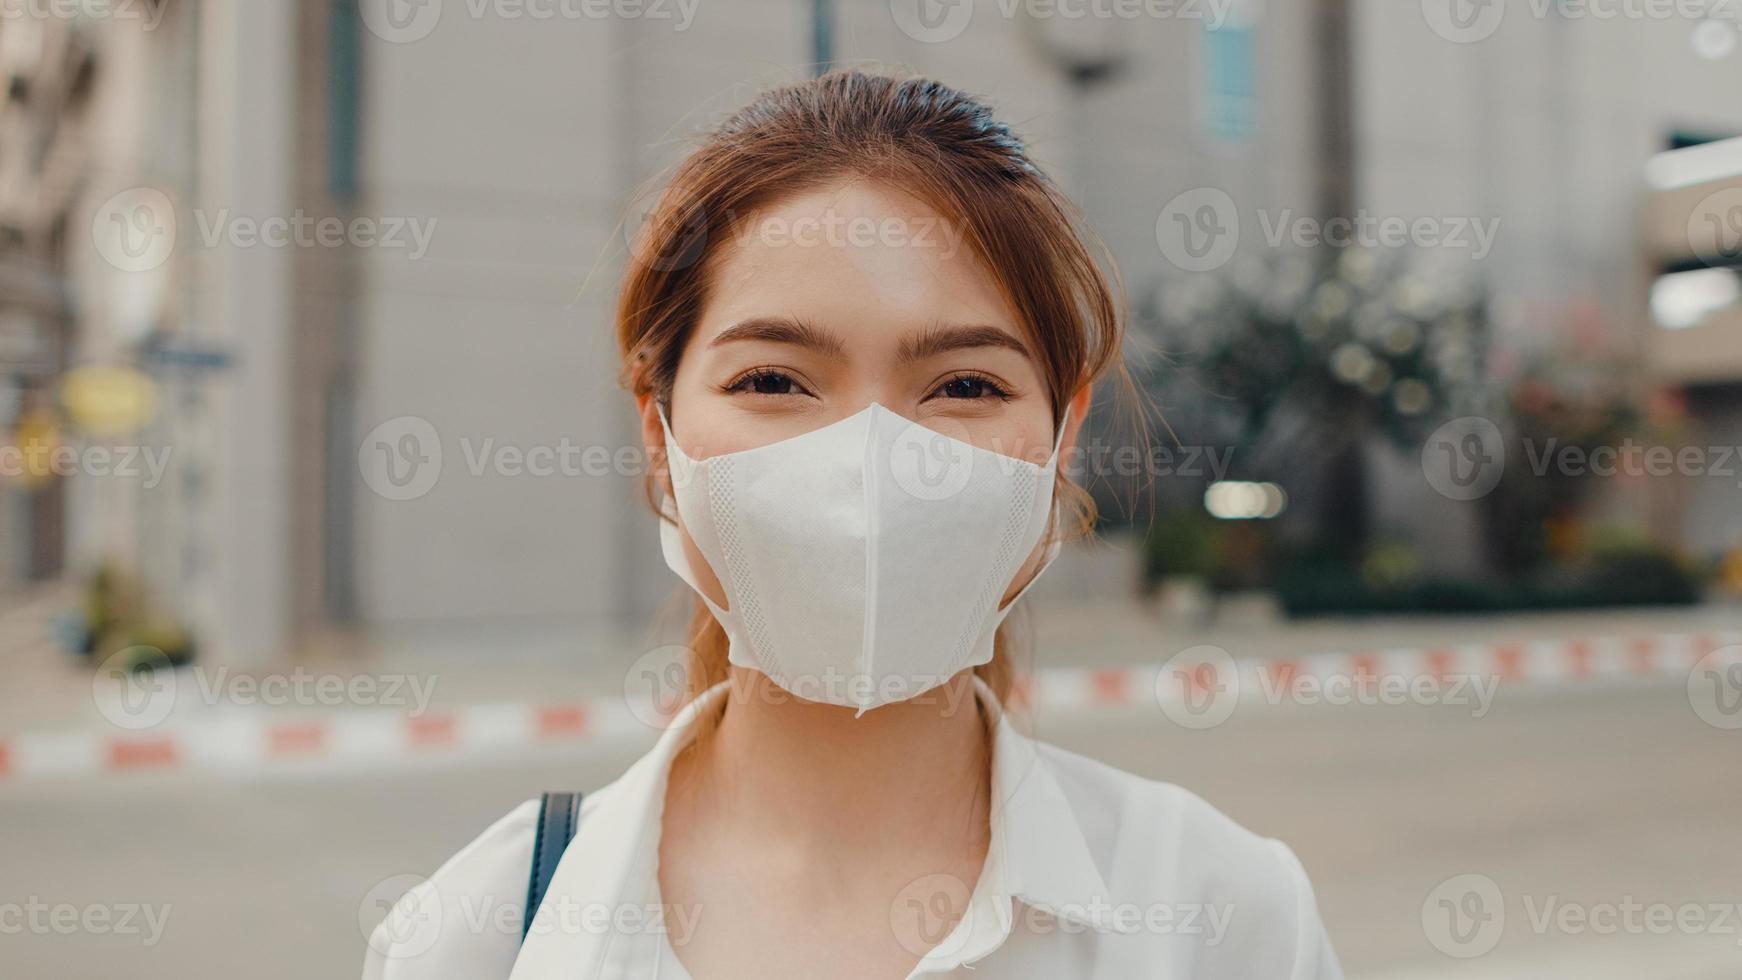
1090,873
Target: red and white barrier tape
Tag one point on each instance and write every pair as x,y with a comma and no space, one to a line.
250,741
1536,662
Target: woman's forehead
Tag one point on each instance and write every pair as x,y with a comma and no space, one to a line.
858,257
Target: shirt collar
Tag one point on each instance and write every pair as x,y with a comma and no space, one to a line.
1037,855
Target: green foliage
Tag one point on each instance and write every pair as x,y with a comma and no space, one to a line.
1182,544
1319,348
113,616
1631,575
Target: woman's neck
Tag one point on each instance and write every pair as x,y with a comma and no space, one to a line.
914,773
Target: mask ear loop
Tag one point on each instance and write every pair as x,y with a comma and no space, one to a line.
1054,548
1056,545
670,537
1058,439
1056,464
675,459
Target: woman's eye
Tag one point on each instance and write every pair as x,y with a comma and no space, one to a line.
766,383
971,386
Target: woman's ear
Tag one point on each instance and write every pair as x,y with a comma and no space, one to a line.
653,441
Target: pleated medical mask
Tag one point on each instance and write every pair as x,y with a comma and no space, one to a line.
862,562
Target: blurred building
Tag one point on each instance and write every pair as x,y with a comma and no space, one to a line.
353,414
503,330
1691,330
47,70
1543,117
125,115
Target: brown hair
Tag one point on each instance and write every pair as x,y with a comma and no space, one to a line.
937,143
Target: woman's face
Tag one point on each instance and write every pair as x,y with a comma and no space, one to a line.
840,297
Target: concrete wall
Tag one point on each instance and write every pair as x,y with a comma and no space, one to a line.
502,330
1545,123
503,133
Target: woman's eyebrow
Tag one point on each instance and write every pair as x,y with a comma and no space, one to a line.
943,339
781,330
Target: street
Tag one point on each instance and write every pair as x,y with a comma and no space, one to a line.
1597,797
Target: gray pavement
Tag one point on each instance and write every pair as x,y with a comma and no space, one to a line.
1595,796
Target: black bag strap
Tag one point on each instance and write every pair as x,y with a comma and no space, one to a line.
558,814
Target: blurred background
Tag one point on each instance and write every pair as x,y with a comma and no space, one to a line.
322,530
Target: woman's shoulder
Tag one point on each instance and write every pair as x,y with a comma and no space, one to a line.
464,921
1167,819
1159,843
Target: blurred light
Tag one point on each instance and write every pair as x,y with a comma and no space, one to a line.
108,401
1412,396
1352,363
1714,39
1683,299
1377,379
1234,500
36,440
1333,300
1358,265
1413,295
1401,337
1695,164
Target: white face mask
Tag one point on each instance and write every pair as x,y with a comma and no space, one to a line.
862,562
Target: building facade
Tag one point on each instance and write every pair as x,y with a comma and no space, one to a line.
398,229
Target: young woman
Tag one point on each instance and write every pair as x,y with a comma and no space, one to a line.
859,327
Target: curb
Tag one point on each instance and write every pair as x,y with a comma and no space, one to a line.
242,744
